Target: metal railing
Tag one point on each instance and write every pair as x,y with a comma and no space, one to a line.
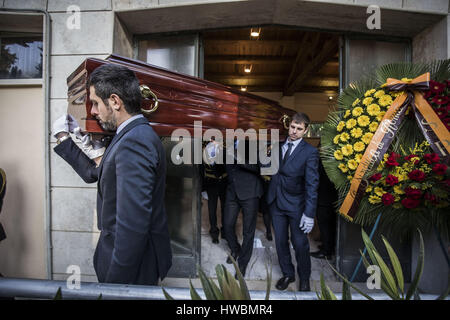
47,289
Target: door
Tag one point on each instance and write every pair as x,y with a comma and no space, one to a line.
360,56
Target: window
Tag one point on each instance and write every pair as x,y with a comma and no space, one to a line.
20,56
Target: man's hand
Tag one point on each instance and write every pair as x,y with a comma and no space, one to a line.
64,125
306,224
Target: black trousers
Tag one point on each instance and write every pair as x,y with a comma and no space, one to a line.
326,219
283,222
265,210
215,191
249,213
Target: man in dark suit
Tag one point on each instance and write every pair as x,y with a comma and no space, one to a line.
326,215
292,198
215,184
134,245
2,195
243,192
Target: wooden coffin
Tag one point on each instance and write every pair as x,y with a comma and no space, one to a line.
182,100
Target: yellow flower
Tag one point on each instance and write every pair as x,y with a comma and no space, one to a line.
347,150
344,136
340,126
356,102
352,164
367,101
347,114
398,190
349,178
357,111
374,199
379,191
336,139
379,93
338,155
396,94
359,146
380,116
363,121
406,79
373,126
385,157
358,157
425,168
343,168
369,92
369,189
356,132
373,109
385,100
366,138
350,123
426,185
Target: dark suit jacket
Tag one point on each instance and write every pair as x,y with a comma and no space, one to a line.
134,244
294,187
245,179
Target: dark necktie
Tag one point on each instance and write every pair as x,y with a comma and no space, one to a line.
288,152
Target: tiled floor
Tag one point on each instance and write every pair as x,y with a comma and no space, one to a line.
264,256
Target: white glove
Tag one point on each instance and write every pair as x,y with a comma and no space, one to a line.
306,224
65,123
205,195
92,148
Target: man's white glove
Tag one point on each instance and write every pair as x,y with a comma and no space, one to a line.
92,148
306,224
65,123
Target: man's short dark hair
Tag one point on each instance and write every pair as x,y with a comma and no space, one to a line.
111,79
301,117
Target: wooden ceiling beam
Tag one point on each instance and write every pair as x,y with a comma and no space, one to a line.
328,51
236,59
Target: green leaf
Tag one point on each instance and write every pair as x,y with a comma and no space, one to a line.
327,294
206,284
349,283
395,264
243,286
419,269
346,294
194,294
167,295
387,275
58,295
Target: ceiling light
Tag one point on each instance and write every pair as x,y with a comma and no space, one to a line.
243,88
254,32
248,69
330,98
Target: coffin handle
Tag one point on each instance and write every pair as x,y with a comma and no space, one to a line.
285,119
146,93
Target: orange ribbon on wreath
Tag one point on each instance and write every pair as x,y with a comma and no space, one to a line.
432,128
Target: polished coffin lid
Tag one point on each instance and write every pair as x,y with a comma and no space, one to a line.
182,99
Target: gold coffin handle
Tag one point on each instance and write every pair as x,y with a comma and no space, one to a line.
146,93
285,119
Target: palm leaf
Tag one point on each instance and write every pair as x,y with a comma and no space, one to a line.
419,269
396,265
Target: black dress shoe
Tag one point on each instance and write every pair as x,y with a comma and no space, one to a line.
283,283
321,255
234,255
304,286
269,236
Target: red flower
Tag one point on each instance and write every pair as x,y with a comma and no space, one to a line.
427,94
431,197
440,100
408,158
436,87
431,158
417,175
410,203
392,160
439,169
387,199
391,180
412,193
375,177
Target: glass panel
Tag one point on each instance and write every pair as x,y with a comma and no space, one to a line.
179,202
21,57
176,53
